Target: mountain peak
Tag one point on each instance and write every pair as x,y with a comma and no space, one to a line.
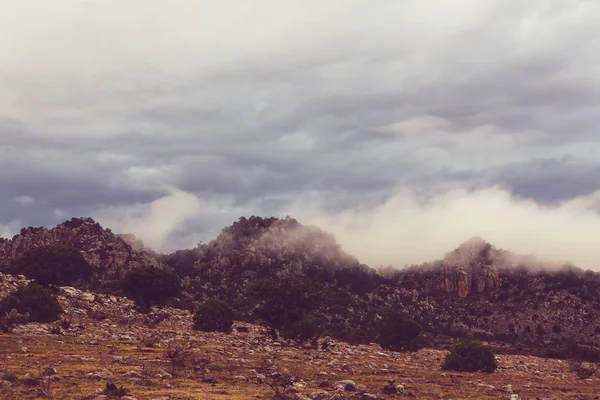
110,254
474,251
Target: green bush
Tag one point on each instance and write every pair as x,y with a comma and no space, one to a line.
10,320
571,349
34,299
300,330
214,316
150,285
470,355
50,265
286,304
556,352
397,332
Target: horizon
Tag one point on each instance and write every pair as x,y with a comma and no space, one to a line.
530,260
401,128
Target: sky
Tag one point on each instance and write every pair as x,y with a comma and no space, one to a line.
404,128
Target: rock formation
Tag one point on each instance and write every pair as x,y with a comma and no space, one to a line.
109,254
471,268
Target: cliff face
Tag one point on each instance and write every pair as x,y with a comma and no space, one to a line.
110,255
471,268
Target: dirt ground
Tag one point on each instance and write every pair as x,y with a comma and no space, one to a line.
78,364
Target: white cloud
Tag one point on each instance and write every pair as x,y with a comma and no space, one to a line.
60,213
418,124
407,229
242,98
24,200
10,229
153,222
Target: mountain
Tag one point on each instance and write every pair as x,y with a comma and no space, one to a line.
493,293
476,288
109,254
109,340
258,249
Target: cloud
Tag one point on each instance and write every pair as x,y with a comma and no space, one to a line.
24,200
409,229
251,107
152,222
10,229
548,180
417,124
59,213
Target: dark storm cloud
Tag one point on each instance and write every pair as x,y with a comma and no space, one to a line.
349,101
550,180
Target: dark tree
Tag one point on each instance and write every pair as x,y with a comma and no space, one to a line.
286,305
34,299
214,316
301,330
470,355
397,332
52,265
151,285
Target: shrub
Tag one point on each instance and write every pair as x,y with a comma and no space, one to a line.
285,302
583,370
34,299
11,319
178,357
214,316
112,391
300,330
150,285
281,383
470,355
50,265
397,332
556,352
9,376
584,361
571,349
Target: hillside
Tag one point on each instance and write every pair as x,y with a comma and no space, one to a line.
109,341
475,289
109,254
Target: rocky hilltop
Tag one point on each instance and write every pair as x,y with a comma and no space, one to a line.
109,254
469,269
475,288
108,340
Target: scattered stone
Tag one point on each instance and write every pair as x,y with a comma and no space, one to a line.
320,395
507,388
345,385
260,378
164,375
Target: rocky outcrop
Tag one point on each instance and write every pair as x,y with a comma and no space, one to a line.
135,243
110,255
471,268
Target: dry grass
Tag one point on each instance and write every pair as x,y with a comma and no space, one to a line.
131,364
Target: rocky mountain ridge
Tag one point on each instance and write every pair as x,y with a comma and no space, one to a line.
474,289
109,254
108,340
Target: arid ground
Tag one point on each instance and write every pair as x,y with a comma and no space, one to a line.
129,352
